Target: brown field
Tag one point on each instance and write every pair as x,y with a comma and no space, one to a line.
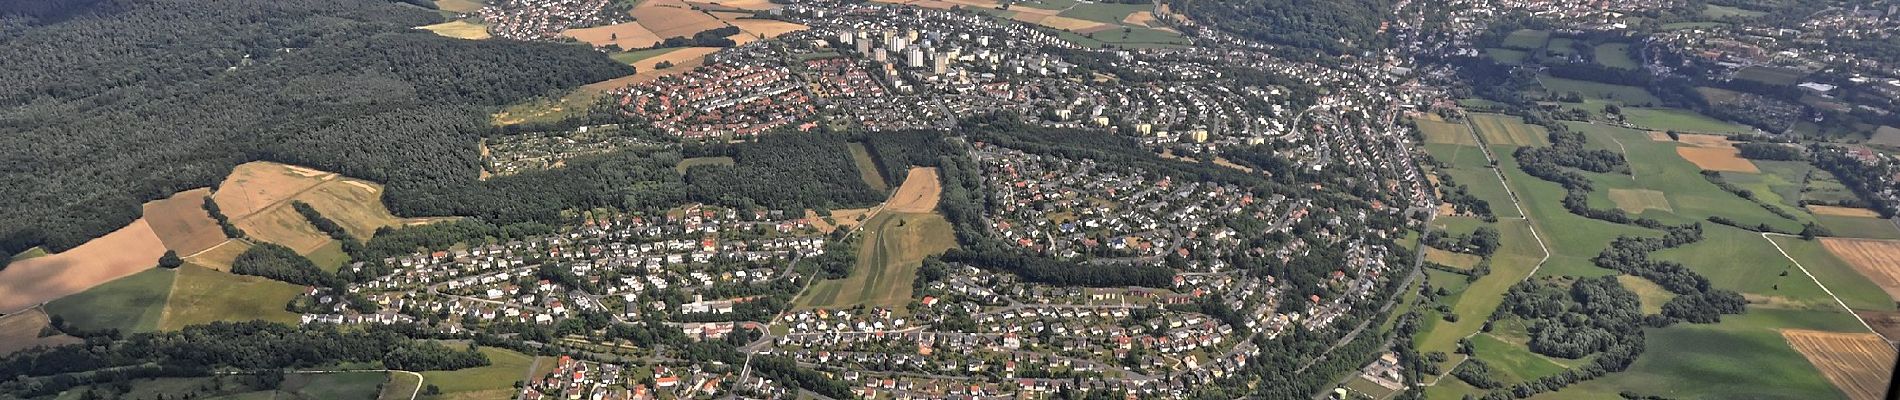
1660,136
257,196
683,59
1717,159
919,194
1634,201
1140,18
37,280
629,35
1451,258
458,29
669,18
256,186
755,5
1843,211
21,331
182,223
1072,24
220,256
766,28
1878,260
1858,363
1886,323
846,219
1705,140
283,226
1885,136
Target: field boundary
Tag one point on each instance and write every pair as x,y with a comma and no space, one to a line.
1817,282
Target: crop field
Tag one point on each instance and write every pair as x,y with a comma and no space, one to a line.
1660,167
330,257
1858,363
1846,282
182,224
1858,227
1626,95
1517,255
1105,12
698,161
459,6
342,385
765,28
921,191
669,18
1506,130
1717,11
867,169
1451,258
495,381
1717,159
1744,356
1615,55
1878,260
627,35
459,29
1527,39
683,59
894,246
1635,201
1469,168
1573,240
201,295
1670,119
21,331
1513,360
1506,56
400,386
1446,132
130,304
257,198
220,257
1823,187
1843,211
121,253
1743,261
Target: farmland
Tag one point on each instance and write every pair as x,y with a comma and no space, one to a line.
1469,167
1518,254
1847,283
130,304
1717,159
1526,39
1451,259
1446,132
200,295
1878,260
626,35
1653,296
36,280
1626,95
867,169
495,381
257,198
1680,120
220,258
1635,201
1659,166
1615,55
1858,363
1505,130
1744,356
182,223
21,331
1858,227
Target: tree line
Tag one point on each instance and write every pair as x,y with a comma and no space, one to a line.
276,262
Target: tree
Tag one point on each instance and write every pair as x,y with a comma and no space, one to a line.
170,260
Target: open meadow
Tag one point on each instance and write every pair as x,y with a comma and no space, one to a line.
1507,130
201,295
895,241
131,304
495,381
867,169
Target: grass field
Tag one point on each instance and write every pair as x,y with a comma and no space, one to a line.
1670,119
130,304
220,257
626,35
630,57
1469,168
549,109
1508,130
1573,240
177,388
1742,261
1743,357
495,381
200,296
1451,259
330,257
458,29
1858,227
1513,361
1770,75
1724,12
1626,95
867,169
1615,55
698,161
1526,39
1652,295
21,331
1446,132
400,386
1691,25
344,385
1659,167
1517,255
893,247
1635,201
1876,260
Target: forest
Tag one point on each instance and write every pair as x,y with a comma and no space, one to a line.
784,171
272,261
107,104
1337,27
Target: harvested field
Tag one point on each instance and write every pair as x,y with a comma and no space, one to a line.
1660,136
1717,159
755,5
1451,258
919,193
1705,140
1886,323
356,205
669,18
683,59
201,295
1843,211
256,186
182,223
458,29
1878,260
766,28
1141,18
219,257
1634,201
1857,363
1446,132
283,226
257,198
893,247
21,331
37,280
1885,136
628,35
844,219
1072,24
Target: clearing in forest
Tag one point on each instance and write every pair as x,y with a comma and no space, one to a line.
458,29
257,197
1857,363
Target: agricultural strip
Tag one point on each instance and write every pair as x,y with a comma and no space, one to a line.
201,295
130,304
122,253
1857,363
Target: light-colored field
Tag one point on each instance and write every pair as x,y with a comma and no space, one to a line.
21,331
629,35
459,6
1141,18
1879,260
182,223
283,226
253,187
1886,135
1446,132
698,161
1072,24
919,193
755,5
458,29
766,28
1858,363
893,247
669,18
1451,258
1651,295
1507,130
844,219
201,295
683,59
1634,201
1717,159
257,198
220,256
118,254
1843,211
1704,140
867,169
494,381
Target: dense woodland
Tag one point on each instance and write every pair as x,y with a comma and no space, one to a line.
1335,26
785,171
109,103
272,261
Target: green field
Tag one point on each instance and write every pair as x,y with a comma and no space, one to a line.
36,251
330,257
1615,55
1508,130
1626,95
1656,166
1846,283
1469,168
698,161
202,295
893,247
344,385
130,304
630,57
1506,56
1779,185
1653,296
867,169
174,388
1670,119
1743,357
1560,48
1446,132
1104,12
1725,12
401,385
493,381
1743,261
1573,240
1526,39
1514,362
1517,255
1692,25
1770,75
1858,227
